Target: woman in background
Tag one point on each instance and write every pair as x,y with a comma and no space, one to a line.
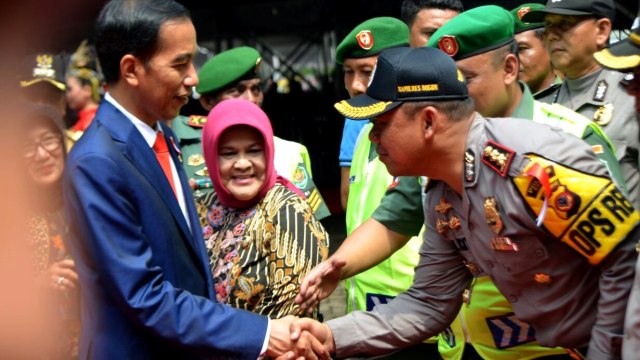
261,234
44,153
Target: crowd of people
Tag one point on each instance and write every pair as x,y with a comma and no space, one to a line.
490,180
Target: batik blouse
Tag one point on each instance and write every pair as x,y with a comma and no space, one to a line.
259,255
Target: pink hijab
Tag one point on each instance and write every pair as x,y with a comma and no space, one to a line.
230,113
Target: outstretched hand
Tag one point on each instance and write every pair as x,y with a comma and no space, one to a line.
319,283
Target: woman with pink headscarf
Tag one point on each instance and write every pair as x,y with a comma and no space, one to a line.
261,234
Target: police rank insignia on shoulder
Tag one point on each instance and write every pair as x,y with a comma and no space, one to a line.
197,121
603,115
601,91
586,212
497,157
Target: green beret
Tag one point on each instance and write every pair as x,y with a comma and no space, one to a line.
474,32
227,68
371,37
519,12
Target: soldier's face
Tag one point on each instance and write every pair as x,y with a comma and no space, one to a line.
535,65
399,142
246,89
427,21
571,42
357,73
486,83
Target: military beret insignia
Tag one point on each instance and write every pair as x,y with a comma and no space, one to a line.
449,45
197,121
497,157
365,39
522,11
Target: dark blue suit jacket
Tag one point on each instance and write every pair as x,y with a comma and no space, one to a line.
147,290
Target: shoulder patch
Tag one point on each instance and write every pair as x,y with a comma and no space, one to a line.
497,157
197,121
584,211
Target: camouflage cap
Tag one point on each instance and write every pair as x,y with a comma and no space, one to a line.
371,37
623,55
229,67
522,10
43,67
474,32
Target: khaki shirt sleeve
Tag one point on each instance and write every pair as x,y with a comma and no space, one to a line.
424,310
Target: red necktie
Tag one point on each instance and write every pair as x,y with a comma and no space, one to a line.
162,153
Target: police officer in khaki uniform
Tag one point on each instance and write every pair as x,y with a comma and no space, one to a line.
235,73
625,57
528,205
574,30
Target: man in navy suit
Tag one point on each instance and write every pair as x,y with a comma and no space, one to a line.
147,290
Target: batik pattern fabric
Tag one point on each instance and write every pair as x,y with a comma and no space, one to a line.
47,233
259,255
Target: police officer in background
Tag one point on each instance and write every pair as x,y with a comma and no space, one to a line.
235,73
529,205
625,57
536,69
574,31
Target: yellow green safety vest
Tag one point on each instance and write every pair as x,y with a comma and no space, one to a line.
369,181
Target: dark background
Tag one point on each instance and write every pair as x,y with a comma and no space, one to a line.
307,117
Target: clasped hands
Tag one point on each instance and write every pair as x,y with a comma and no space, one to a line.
305,338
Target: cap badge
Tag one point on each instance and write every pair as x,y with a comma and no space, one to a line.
365,39
448,44
603,115
44,66
523,10
492,215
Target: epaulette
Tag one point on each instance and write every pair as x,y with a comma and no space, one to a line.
497,157
197,121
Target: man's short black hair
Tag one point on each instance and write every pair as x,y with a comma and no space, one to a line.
131,27
410,8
